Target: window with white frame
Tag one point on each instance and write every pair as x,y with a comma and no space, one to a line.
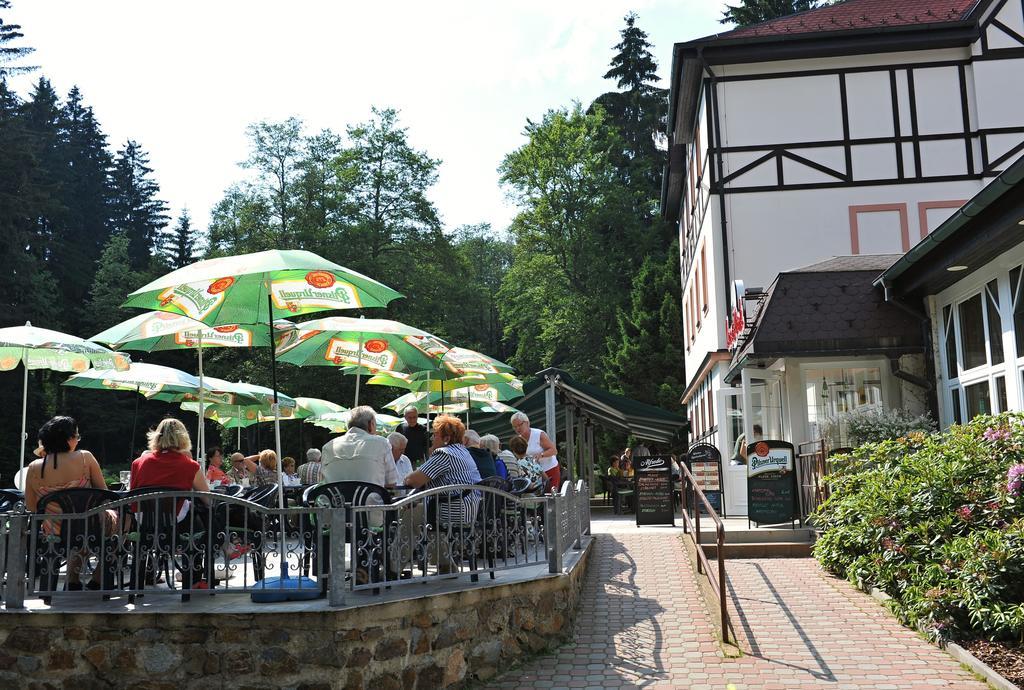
975,363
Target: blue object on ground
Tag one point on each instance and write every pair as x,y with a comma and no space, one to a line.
274,589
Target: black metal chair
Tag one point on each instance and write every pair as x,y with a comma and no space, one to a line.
56,539
158,539
371,556
11,501
249,527
492,524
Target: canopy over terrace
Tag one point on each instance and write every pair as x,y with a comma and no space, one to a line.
555,400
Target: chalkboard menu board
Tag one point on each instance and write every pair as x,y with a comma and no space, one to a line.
654,504
771,482
705,464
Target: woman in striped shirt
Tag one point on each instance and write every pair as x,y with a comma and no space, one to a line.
449,463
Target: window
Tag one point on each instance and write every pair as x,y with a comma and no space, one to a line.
950,341
978,362
977,399
1018,308
972,333
834,391
704,277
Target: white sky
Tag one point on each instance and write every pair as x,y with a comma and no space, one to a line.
185,78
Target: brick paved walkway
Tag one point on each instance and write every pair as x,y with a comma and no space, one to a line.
640,626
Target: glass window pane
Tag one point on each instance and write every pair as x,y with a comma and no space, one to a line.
1018,309
995,323
958,417
947,324
1001,393
977,399
972,333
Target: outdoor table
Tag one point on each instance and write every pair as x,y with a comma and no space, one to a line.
618,485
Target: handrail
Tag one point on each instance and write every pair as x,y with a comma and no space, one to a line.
693,527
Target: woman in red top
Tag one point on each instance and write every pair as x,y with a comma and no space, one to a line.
168,462
214,468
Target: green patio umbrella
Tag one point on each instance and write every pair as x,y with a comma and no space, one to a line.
435,403
360,345
337,422
160,330
431,381
41,348
258,288
148,380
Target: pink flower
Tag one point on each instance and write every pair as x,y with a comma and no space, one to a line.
964,512
1015,480
992,434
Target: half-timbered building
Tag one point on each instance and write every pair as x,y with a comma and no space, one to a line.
853,129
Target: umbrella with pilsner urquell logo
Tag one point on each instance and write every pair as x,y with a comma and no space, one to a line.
41,348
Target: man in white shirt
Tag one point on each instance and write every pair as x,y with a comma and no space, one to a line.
359,455
403,465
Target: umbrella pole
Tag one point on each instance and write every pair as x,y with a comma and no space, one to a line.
359,368
24,410
239,418
135,419
277,425
202,426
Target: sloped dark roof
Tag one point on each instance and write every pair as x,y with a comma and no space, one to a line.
858,14
860,262
612,411
831,308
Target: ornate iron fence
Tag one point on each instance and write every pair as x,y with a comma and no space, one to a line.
187,543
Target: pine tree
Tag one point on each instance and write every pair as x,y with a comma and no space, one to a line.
755,11
111,283
638,110
645,356
10,33
136,210
85,193
179,246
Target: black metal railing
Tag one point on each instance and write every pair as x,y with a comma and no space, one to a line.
691,526
342,539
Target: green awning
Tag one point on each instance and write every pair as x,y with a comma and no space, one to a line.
601,407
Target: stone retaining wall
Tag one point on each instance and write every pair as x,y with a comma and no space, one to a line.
445,640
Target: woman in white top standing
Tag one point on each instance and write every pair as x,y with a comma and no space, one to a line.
540,448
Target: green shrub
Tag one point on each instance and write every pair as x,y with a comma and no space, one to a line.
874,426
937,522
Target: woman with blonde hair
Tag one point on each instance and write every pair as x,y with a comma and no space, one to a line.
266,467
168,462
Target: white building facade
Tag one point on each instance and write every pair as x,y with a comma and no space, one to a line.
832,132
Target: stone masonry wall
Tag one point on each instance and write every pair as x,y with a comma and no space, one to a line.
433,642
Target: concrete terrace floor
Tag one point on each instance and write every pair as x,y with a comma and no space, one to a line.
641,624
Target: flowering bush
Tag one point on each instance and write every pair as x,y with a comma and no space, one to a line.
937,522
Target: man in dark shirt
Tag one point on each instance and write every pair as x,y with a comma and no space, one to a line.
481,456
416,435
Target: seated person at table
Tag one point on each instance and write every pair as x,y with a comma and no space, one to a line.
615,470
215,473
359,455
266,468
481,456
242,468
491,443
63,466
524,465
403,465
168,462
449,464
309,471
288,467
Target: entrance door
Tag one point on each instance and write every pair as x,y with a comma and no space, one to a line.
764,405
731,424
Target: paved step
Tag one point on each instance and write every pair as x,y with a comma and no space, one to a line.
760,536
773,549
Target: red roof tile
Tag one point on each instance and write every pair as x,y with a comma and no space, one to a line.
859,14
